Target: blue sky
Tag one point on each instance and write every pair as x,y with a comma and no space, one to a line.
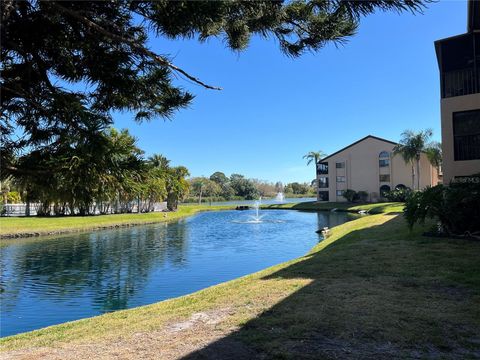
274,109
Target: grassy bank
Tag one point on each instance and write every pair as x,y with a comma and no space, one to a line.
372,208
372,289
34,226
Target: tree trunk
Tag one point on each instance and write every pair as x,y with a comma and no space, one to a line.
413,177
172,202
418,174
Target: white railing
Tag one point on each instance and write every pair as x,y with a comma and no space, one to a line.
20,209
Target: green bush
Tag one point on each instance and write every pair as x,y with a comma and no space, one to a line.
354,196
362,196
456,207
398,195
350,195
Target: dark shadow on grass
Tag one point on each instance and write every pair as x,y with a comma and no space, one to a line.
361,303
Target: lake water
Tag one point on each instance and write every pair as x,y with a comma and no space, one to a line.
53,280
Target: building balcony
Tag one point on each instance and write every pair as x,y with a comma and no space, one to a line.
461,82
459,63
322,168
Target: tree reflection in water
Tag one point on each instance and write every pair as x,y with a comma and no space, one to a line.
112,265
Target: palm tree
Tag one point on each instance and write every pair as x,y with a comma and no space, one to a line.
411,146
177,186
199,184
314,156
434,154
160,161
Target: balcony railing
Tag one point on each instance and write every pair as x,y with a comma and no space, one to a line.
322,168
460,82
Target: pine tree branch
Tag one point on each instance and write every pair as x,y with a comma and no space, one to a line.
133,45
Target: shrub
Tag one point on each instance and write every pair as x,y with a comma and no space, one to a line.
456,207
362,196
354,196
350,195
398,195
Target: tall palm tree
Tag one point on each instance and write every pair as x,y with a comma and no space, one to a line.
434,154
314,156
159,161
411,146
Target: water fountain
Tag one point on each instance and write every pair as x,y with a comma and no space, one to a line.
280,197
257,218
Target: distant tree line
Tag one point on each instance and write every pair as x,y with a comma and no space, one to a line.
106,173
221,187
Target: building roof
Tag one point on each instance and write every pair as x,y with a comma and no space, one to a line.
356,142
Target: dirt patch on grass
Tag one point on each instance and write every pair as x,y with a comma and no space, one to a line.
173,341
212,317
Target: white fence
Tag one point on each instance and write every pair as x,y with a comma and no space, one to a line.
20,209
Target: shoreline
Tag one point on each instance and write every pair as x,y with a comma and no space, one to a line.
92,223
125,222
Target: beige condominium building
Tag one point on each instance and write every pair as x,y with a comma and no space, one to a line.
459,62
369,165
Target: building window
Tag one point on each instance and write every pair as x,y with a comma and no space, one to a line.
384,162
340,192
322,168
323,182
384,159
340,178
466,135
323,195
384,178
400,187
384,189
340,165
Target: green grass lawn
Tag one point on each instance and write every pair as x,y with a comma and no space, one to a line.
371,290
46,225
372,208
